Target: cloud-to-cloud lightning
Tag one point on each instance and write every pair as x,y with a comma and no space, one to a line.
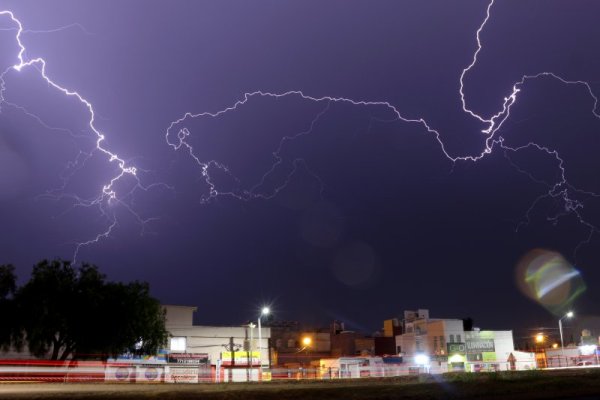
561,190
107,193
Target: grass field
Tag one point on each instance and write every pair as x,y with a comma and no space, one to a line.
562,384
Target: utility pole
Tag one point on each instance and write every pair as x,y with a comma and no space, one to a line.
232,352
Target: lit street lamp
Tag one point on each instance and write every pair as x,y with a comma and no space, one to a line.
562,343
306,341
264,311
539,338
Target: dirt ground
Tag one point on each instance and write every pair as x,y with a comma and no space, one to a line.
564,384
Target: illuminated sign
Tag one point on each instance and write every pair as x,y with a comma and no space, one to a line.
456,348
189,358
240,357
480,346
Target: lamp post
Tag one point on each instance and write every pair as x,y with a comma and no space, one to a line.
306,342
562,343
264,311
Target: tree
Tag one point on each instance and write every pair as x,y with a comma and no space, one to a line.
8,330
7,281
73,312
468,324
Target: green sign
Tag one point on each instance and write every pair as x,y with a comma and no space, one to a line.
456,348
480,345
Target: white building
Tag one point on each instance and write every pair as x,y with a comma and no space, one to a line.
424,335
221,346
445,340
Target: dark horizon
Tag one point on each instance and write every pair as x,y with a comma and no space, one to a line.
360,213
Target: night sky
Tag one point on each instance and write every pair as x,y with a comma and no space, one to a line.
358,215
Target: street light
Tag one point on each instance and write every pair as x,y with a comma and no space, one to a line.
539,338
306,342
264,311
562,343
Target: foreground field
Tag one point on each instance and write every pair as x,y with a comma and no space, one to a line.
563,384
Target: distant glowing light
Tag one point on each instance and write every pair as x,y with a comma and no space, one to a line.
588,349
456,358
539,338
422,359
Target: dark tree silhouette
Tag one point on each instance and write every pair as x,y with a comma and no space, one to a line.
72,312
468,324
9,333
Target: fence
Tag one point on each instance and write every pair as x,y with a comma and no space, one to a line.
85,371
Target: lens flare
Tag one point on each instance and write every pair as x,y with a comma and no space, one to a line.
549,279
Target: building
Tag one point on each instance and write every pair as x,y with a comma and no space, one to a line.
424,335
446,341
346,343
295,347
232,352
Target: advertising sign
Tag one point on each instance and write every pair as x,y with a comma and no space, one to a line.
182,375
131,358
475,346
240,357
456,348
149,373
116,373
188,358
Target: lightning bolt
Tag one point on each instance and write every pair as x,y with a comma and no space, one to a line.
107,195
177,135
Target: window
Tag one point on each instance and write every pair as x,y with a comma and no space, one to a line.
451,338
435,344
458,338
178,344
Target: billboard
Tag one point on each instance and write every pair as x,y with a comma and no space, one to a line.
456,348
131,358
188,358
240,358
182,375
480,345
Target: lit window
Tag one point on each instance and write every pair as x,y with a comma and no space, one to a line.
178,344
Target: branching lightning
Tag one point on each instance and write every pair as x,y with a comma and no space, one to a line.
177,135
107,195
74,25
